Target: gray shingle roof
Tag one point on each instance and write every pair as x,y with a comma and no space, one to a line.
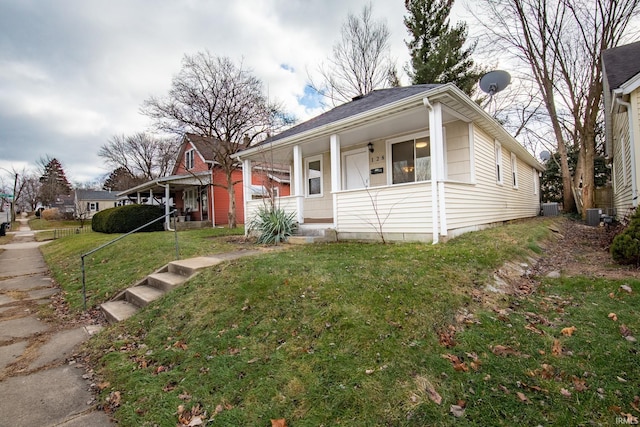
370,101
96,195
621,63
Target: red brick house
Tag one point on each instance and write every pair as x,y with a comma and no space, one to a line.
197,186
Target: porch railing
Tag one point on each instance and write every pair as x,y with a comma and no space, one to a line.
82,257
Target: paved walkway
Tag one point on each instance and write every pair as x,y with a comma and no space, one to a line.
40,382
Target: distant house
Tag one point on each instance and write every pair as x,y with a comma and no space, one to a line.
65,205
621,83
197,189
420,163
88,202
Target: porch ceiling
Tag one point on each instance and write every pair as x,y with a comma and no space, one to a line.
175,182
383,127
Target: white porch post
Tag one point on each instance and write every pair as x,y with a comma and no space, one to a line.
298,169
139,197
167,208
336,175
246,190
436,136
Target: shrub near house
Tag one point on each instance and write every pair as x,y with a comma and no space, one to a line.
124,219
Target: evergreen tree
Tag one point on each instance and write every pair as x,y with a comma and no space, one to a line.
437,54
121,179
53,181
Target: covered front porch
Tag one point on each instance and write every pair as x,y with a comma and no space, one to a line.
190,195
378,174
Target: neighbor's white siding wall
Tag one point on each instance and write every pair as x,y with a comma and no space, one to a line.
621,174
400,209
486,201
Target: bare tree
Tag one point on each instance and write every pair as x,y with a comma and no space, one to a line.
29,191
212,96
360,61
561,42
142,155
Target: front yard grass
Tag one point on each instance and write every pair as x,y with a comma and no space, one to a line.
122,264
377,335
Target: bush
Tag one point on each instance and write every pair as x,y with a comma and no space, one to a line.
51,214
127,218
625,248
273,225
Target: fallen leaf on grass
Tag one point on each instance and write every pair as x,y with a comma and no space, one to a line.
579,384
103,385
613,317
556,349
565,392
433,394
503,350
281,422
626,288
567,332
523,398
624,330
458,364
456,410
532,328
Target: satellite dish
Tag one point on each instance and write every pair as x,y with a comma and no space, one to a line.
495,81
545,155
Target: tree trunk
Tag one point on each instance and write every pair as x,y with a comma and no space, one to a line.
232,202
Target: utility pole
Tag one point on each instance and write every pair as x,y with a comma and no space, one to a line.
13,199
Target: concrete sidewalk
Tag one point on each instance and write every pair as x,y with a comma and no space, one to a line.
40,382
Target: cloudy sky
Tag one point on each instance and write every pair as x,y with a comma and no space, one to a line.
73,73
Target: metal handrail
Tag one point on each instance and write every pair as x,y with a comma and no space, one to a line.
84,287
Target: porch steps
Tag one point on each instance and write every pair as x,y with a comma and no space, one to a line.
156,285
308,235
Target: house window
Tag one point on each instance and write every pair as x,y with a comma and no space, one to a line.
498,152
92,206
535,181
313,167
411,160
191,200
514,170
189,159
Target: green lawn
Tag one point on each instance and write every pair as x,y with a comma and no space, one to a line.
120,265
373,335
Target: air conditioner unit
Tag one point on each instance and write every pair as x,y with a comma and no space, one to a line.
550,209
593,217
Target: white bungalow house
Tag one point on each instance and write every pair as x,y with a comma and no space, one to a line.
621,84
419,163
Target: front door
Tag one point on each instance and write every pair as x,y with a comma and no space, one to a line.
356,169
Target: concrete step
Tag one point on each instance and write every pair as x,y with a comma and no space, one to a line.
165,281
141,296
116,311
188,267
306,240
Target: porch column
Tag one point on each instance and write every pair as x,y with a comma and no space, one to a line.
298,169
246,189
336,174
436,136
139,197
167,208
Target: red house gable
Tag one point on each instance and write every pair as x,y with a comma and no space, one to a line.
196,155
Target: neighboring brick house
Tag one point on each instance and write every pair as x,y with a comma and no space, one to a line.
197,185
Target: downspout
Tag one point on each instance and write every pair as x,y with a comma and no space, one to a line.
634,185
434,184
167,210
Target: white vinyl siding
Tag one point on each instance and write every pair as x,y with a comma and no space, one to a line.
404,208
471,205
621,173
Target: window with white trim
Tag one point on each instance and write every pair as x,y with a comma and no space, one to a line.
514,170
498,153
313,171
189,159
411,160
191,200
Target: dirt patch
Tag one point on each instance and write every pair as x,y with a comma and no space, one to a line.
581,250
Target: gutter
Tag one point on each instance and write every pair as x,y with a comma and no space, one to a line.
634,186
